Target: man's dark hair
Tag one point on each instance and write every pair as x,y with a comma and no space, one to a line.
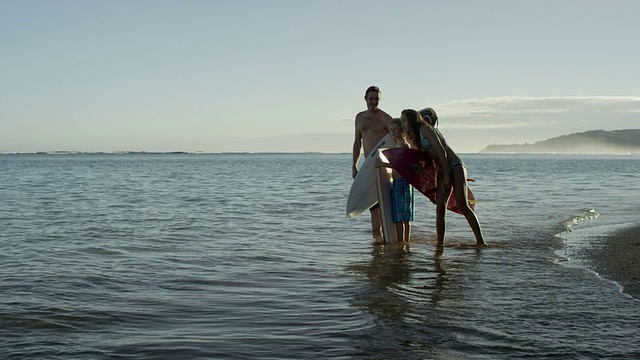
372,88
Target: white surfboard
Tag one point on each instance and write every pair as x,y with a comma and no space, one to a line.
363,194
383,186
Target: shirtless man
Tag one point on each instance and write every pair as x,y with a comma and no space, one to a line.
371,126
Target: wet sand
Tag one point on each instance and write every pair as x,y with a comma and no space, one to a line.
619,260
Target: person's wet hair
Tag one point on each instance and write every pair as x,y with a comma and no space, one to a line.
413,117
414,120
430,116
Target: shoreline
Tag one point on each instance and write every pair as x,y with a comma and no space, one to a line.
618,259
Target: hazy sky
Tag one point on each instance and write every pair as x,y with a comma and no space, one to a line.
223,75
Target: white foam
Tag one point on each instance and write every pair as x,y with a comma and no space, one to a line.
586,235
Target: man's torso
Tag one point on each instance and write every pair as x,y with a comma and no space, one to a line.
372,128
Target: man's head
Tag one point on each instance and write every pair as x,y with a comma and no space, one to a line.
372,97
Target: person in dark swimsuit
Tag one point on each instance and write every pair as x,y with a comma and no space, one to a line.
423,136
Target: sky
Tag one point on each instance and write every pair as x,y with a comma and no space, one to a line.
290,75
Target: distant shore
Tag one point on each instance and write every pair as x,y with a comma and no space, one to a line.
618,259
588,142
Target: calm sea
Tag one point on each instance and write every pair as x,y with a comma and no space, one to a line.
247,256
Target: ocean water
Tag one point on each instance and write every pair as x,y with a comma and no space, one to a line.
246,256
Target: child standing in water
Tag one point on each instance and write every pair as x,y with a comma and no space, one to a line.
401,190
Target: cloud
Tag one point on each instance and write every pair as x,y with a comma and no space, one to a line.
589,112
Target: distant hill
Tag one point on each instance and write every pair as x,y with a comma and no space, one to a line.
589,142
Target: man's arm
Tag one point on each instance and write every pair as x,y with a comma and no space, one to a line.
387,120
357,144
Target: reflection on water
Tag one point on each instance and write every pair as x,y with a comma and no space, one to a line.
413,296
440,277
389,265
419,298
396,271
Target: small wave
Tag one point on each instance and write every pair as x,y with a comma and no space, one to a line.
567,225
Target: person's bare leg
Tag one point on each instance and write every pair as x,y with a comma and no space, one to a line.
442,197
407,231
460,189
398,228
376,224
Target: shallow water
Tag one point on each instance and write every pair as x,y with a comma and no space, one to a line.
191,256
